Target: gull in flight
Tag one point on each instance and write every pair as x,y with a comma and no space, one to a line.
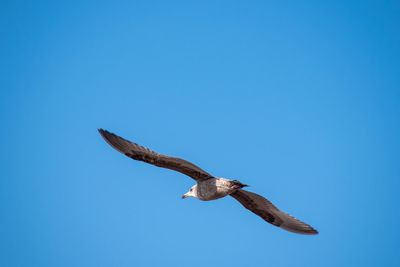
208,187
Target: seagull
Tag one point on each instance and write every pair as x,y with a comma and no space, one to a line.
208,187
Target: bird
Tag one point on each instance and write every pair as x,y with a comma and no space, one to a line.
208,187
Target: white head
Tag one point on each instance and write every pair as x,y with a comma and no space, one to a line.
191,193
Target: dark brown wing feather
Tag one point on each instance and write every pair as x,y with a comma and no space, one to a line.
266,210
138,152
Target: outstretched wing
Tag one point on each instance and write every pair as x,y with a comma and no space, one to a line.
266,210
138,152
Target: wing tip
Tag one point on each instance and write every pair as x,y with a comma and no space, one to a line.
312,231
307,231
107,136
104,133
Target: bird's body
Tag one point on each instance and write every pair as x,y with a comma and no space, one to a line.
214,188
209,187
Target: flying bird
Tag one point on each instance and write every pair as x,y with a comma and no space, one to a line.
208,187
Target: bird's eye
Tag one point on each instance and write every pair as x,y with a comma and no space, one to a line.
191,190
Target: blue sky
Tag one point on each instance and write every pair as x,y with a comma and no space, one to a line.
298,100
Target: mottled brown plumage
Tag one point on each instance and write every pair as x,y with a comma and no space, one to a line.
138,152
266,210
209,187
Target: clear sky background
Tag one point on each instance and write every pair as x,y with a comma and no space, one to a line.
298,100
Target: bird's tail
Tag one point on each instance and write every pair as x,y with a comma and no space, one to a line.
236,184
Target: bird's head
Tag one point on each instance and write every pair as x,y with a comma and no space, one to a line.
191,193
